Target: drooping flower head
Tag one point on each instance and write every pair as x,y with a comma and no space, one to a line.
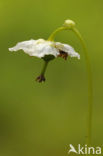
47,50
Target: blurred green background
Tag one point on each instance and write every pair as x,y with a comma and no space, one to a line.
43,119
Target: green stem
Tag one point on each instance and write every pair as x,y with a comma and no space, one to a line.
44,67
51,37
88,66
90,89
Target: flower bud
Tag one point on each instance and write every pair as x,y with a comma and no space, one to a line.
69,23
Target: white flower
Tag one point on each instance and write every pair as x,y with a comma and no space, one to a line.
40,48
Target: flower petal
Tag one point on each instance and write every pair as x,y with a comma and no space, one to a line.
38,48
26,46
45,48
68,49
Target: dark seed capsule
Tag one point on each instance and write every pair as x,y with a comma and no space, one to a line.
40,78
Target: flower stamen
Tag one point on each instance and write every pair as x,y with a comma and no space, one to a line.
63,54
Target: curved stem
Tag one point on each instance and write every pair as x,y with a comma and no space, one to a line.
51,37
88,66
90,88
